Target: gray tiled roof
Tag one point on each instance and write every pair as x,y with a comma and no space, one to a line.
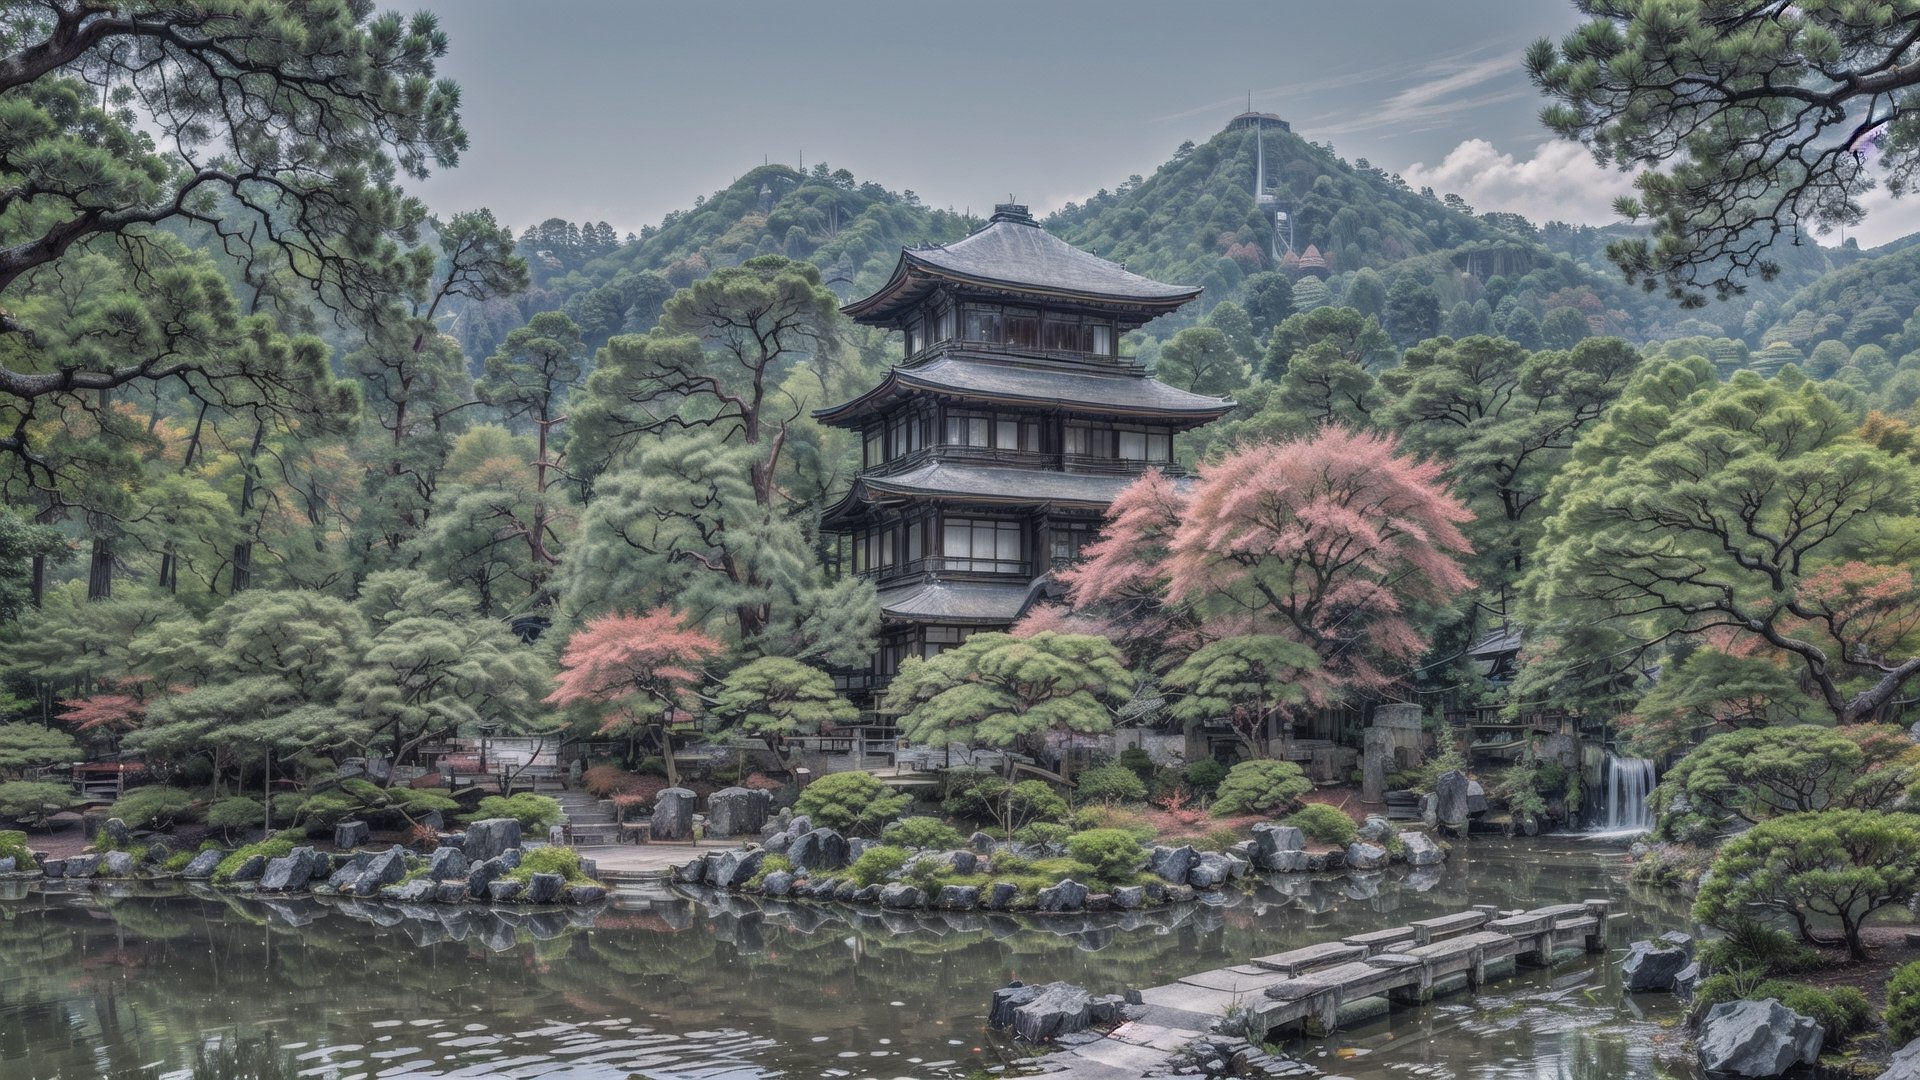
998,482
1123,392
970,601
1021,254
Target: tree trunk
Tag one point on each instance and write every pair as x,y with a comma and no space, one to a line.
666,755
243,548
100,570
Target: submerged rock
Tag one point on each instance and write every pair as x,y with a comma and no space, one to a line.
1906,1062
1756,1038
1421,850
1651,966
1364,856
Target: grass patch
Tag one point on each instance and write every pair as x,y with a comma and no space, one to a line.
13,845
273,848
551,860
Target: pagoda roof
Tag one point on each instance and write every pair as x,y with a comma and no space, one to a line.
1013,253
952,483
956,601
1118,392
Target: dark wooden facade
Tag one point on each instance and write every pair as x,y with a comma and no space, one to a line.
991,451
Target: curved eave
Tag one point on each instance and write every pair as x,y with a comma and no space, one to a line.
850,414
875,491
879,308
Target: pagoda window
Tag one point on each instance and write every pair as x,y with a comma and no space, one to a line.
964,430
1084,441
1101,341
1068,539
875,450
1064,333
939,639
903,436
1023,327
943,326
984,323
983,546
913,338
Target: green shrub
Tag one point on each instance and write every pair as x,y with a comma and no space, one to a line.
13,845
985,797
535,813
1043,832
1324,824
550,860
1755,946
1903,1004
272,848
1106,816
1139,761
237,812
653,765
771,864
1205,776
1111,783
178,861
1261,787
875,863
153,807
1842,1011
922,832
31,802
1219,840
1114,854
326,809
850,802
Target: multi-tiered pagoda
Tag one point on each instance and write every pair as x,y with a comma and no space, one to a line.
994,447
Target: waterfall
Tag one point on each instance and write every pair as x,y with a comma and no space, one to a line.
1629,782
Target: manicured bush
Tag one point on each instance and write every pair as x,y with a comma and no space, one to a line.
237,812
154,807
770,864
1111,783
875,863
1324,824
533,812
1114,854
985,797
550,860
1261,787
1842,1011
1204,776
1755,946
607,781
1903,1004
851,802
1139,761
13,845
31,802
1043,832
922,832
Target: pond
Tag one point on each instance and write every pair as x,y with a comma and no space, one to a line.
161,982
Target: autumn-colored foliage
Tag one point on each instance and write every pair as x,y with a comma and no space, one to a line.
644,667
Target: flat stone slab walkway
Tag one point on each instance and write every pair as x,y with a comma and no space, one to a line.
630,861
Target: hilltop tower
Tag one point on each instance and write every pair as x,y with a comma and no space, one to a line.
993,448
1278,211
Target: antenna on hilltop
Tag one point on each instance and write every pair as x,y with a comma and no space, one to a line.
1249,101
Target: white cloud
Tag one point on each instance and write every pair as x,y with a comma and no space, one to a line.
1560,182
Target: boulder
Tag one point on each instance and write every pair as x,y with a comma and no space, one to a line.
778,883
116,864
958,862
1271,839
504,892
778,843
1008,998
1237,867
1059,1009
57,868
735,868
292,871
1905,1064
447,864
866,894
9,865
412,892
1476,798
818,849
346,870
846,890
690,873
510,858
1365,856
799,823
1650,966
1450,798
544,888
999,896
1210,871
900,895
957,898
490,838
385,868
118,835
1285,861
1129,897
481,877
1676,939
1421,850
1429,811
736,811
1172,864
201,866
1756,1038
1069,895
585,894
451,892
857,847
249,870
1687,980
981,843
673,814
1375,829
350,834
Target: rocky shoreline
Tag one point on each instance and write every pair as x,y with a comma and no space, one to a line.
818,860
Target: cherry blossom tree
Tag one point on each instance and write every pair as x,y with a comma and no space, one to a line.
641,669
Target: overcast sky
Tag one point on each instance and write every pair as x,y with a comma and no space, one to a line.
622,111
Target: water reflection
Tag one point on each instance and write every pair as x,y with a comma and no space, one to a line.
153,982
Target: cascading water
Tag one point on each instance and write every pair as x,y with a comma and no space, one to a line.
1629,783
